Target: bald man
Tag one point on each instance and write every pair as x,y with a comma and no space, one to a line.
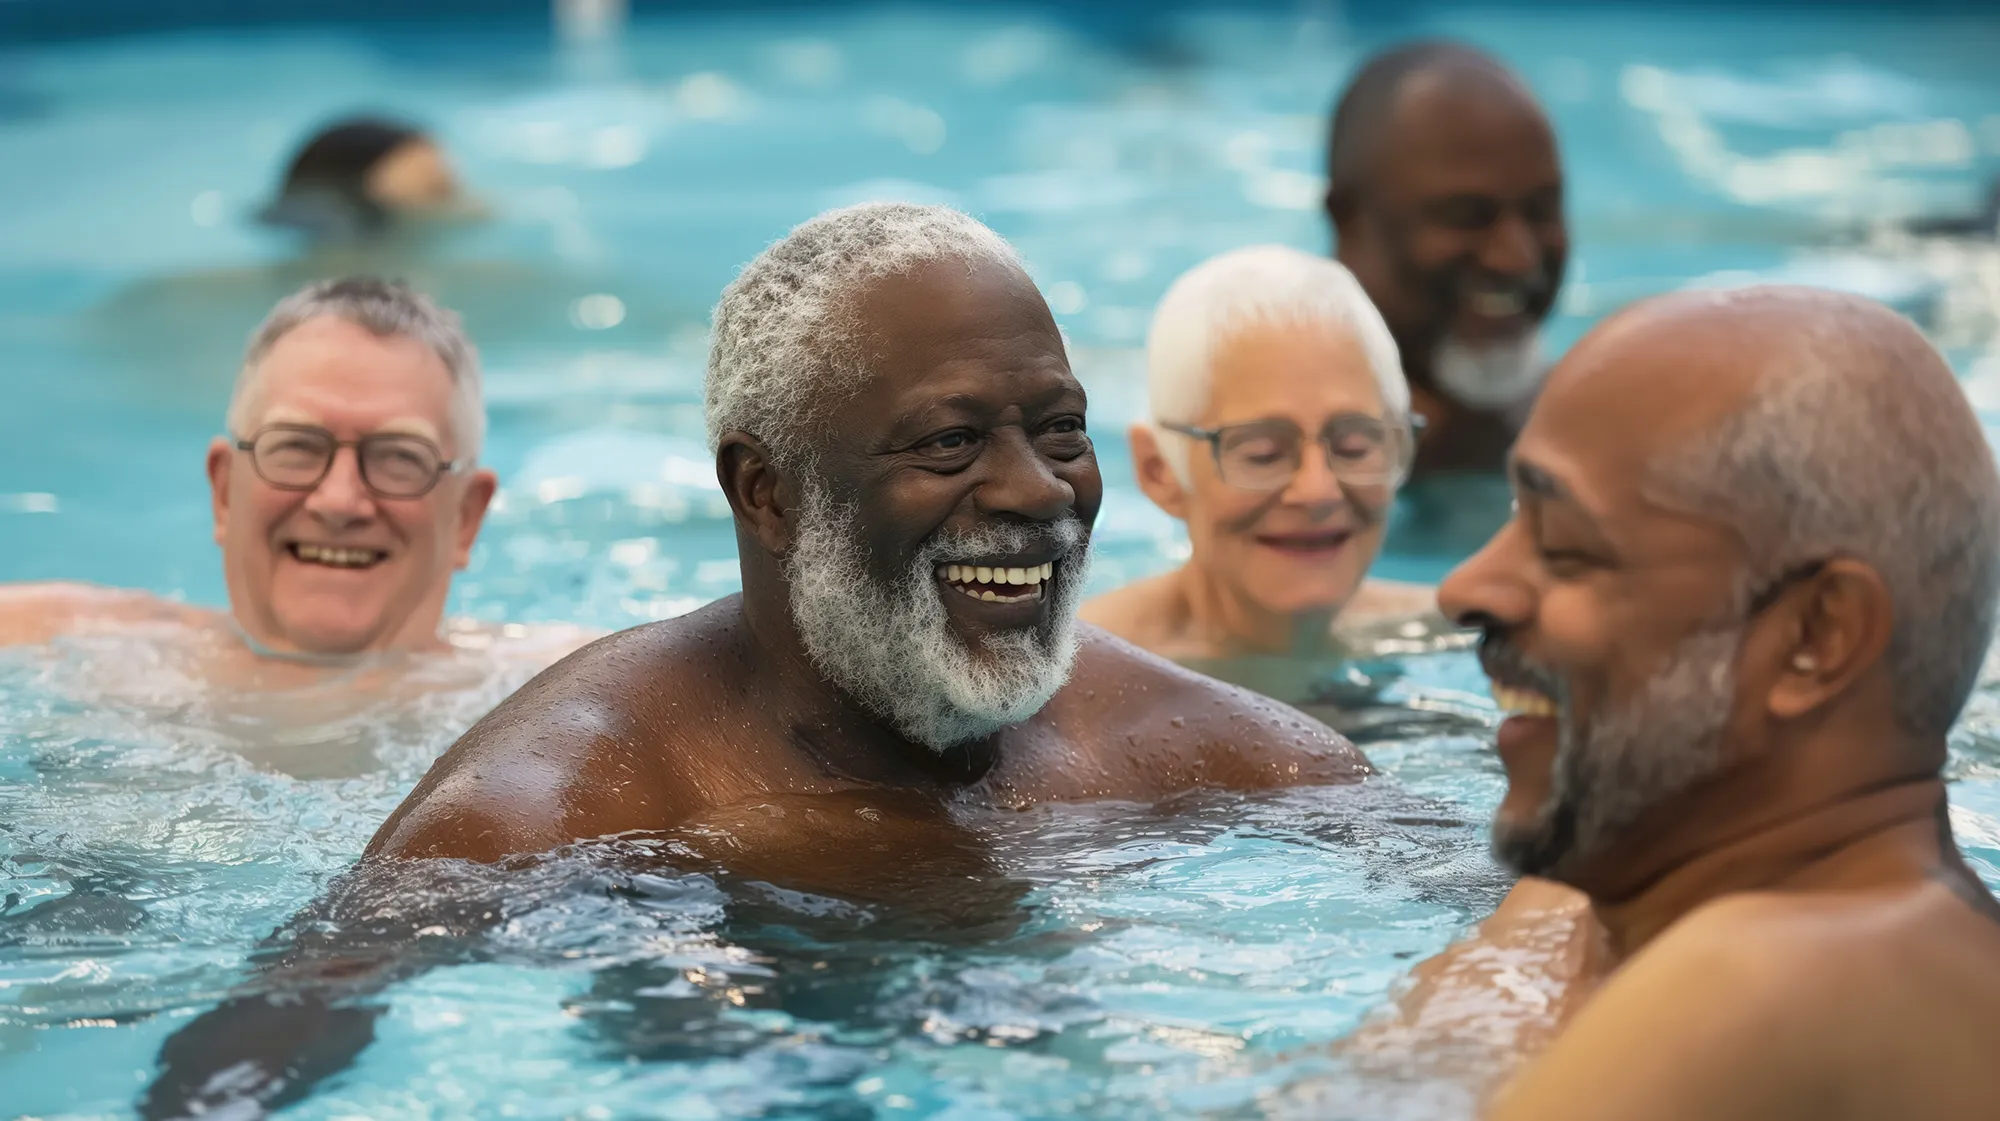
1446,197
1749,585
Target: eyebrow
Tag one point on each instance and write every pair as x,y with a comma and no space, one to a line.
1535,481
400,426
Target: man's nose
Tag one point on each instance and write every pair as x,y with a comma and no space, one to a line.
341,498
1019,481
1511,248
1488,587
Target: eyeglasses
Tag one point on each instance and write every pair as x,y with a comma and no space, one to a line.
298,456
1361,450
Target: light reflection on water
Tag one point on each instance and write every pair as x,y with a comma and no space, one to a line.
1178,961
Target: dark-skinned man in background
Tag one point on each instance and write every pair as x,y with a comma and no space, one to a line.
1446,197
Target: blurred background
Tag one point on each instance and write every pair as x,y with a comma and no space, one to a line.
634,154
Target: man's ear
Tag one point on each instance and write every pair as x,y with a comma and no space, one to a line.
1836,632
472,507
762,497
1156,475
220,456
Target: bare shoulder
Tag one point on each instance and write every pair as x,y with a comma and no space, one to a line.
1700,1023
1248,739
608,740
1849,1004
42,611
1389,599
1141,612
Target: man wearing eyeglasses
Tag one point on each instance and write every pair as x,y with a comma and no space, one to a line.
346,492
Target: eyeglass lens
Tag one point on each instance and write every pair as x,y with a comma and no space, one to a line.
1264,455
391,465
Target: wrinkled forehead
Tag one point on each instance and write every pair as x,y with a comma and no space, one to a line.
948,326
332,373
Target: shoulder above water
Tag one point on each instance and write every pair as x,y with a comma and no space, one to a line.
1118,689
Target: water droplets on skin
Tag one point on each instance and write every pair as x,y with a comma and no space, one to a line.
1150,939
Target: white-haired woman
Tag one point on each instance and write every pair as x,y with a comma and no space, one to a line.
1280,429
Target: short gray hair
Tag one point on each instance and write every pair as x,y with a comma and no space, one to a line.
1225,294
787,328
386,309
1866,449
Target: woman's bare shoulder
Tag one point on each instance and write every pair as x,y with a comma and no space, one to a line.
1390,599
1147,612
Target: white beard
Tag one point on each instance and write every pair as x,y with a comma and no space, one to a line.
1490,376
891,646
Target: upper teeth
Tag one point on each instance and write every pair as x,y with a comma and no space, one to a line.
1523,702
978,574
1497,304
327,554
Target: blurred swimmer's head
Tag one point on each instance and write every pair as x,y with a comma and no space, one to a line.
1279,427
1446,196
1755,552
347,490
903,444
357,178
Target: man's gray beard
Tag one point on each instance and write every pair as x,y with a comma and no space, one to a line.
1491,375
891,646
1664,741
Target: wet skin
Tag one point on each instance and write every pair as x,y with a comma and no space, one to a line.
1795,934
971,416
1463,202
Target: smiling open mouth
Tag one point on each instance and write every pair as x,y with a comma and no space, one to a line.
1501,303
1522,702
1307,543
332,556
996,585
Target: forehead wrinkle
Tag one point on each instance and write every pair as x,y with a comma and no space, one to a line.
402,426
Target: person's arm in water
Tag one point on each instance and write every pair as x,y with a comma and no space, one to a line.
42,612
310,1009
1496,996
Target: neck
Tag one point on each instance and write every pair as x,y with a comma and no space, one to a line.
280,651
1880,836
1230,624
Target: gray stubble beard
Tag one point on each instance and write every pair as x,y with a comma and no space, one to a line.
1661,743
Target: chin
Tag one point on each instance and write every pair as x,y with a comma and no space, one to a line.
322,636
1305,596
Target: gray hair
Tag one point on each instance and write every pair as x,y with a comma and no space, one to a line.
1866,449
787,329
387,310
1222,296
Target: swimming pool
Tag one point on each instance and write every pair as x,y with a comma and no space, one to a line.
1181,961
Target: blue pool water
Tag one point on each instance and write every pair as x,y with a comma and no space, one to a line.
1176,962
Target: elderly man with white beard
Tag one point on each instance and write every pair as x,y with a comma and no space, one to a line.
903,446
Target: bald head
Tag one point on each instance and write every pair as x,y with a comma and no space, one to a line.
1445,191
1373,110
1814,424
